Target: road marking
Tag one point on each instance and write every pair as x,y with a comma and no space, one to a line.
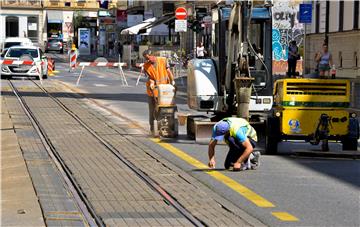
55,71
284,216
100,85
239,188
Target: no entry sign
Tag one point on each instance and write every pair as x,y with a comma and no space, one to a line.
180,13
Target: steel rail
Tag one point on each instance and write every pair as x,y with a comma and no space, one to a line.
84,205
148,180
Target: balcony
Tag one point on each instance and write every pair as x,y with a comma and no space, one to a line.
72,4
20,3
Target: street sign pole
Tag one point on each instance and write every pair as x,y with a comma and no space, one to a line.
305,17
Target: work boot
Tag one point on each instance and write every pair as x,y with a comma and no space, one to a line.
255,160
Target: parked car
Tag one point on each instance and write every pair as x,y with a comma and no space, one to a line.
25,53
55,44
14,41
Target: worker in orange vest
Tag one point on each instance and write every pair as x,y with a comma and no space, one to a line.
158,72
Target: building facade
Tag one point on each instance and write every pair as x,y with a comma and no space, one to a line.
21,19
41,19
337,23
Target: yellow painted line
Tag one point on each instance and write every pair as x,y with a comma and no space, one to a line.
284,216
56,71
239,188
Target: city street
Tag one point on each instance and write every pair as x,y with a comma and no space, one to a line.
286,190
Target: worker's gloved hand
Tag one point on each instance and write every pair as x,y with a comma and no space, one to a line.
212,163
152,86
173,83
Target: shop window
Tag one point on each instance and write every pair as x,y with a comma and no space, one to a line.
317,17
341,16
33,28
356,14
12,26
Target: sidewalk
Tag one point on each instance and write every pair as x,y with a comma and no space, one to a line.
19,203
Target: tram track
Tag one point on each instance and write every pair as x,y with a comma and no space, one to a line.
84,204
89,214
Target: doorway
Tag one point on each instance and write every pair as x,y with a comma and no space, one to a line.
12,26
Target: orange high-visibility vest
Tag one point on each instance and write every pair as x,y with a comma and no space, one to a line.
158,74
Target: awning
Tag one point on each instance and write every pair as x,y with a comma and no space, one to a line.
166,19
161,29
159,26
54,16
134,30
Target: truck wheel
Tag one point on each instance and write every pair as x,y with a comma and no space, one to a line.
272,136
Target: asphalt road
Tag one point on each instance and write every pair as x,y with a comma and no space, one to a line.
293,190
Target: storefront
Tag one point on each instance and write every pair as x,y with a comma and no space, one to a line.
54,25
107,33
24,24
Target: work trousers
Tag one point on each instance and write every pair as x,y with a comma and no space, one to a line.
292,67
152,112
235,151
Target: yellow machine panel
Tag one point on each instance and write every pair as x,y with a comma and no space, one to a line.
298,122
312,93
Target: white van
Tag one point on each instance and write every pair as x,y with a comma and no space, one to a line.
14,41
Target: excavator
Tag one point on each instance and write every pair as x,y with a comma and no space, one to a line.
237,79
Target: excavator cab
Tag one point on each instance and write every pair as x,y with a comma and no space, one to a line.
212,84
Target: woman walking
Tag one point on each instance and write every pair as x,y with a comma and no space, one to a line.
325,62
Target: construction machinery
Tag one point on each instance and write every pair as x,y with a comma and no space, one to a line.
165,108
312,110
237,80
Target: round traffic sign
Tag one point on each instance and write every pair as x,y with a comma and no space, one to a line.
180,13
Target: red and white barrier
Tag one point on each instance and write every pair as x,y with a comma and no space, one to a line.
104,64
50,66
26,62
17,62
141,66
73,54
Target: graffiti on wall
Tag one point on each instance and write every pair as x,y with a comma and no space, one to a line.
286,27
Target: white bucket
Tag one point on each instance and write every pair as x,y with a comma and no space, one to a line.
166,95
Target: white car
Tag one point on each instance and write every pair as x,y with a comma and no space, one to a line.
25,53
14,41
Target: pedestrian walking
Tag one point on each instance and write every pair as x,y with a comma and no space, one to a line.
325,61
111,47
241,138
293,56
158,72
200,50
120,49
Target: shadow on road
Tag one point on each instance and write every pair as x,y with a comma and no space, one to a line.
128,97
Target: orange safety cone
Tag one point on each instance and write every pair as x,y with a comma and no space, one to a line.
50,67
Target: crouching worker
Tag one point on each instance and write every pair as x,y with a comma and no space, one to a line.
241,138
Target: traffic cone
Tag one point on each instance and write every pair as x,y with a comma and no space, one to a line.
50,67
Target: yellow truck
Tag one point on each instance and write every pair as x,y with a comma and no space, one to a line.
313,110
